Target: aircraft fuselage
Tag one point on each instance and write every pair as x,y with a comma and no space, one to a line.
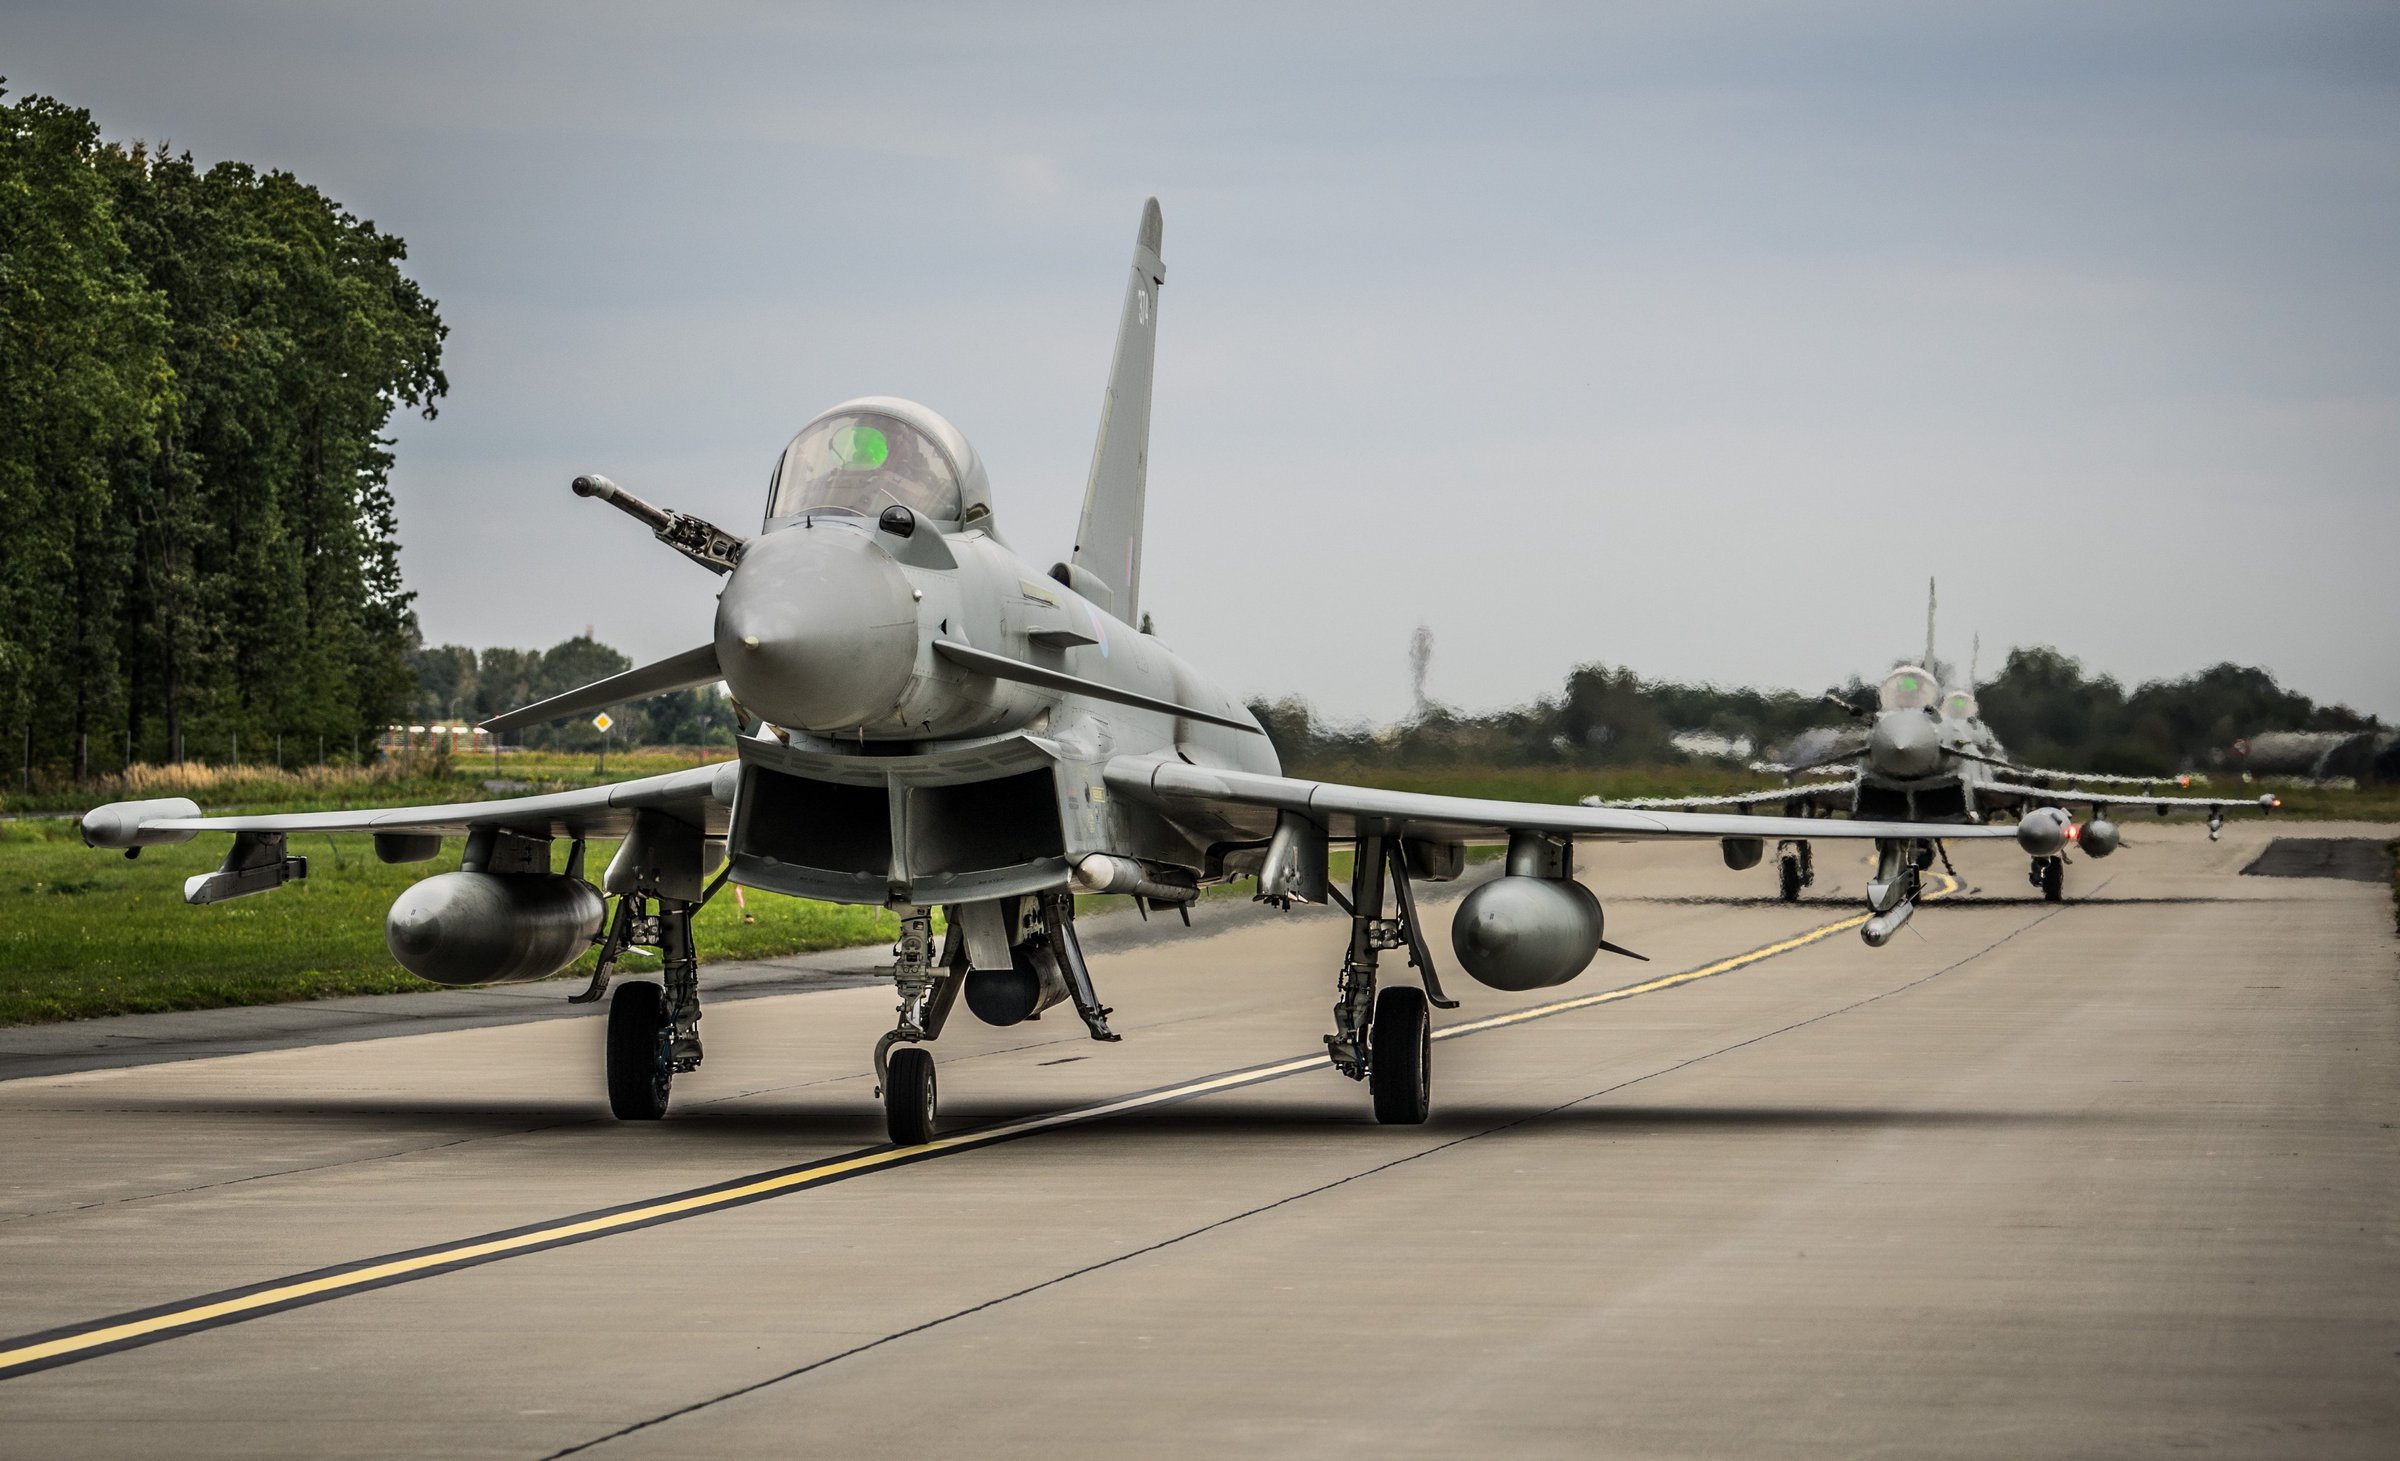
898,775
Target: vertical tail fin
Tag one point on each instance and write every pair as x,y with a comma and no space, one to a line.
1108,542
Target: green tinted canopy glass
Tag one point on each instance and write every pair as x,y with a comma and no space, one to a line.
861,446
863,462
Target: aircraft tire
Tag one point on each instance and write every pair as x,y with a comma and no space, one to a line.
1787,879
908,1096
1400,1057
640,1068
2054,878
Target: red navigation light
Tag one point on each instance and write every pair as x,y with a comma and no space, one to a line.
2074,832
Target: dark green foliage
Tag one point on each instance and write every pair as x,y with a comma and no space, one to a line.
2048,712
198,367
455,683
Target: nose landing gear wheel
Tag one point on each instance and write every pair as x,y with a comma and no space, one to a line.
908,1096
1400,1057
2054,876
641,1057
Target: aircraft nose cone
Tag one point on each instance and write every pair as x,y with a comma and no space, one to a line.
817,629
1904,743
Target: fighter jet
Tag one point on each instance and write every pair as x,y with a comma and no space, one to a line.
1926,756
935,724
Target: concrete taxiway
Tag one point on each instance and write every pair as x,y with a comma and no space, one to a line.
2114,1175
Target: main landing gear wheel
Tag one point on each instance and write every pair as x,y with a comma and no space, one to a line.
641,1055
1787,879
2054,877
908,1096
1400,1057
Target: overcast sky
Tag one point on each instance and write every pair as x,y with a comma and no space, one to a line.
1687,337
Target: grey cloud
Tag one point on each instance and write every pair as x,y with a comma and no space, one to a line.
1690,337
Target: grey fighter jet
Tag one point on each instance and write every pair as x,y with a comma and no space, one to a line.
934,723
1926,756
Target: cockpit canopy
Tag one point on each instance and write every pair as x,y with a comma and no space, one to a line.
1960,705
878,452
1908,688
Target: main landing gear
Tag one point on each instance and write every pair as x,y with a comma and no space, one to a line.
2050,875
1795,868
929,988
1385,1040
653,1029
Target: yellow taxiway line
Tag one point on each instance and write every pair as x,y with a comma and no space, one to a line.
125,1331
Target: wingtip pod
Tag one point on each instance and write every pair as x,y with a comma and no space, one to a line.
120,824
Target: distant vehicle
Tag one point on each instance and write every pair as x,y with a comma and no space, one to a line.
938,723
1926,756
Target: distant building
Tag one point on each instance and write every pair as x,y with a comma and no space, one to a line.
1709,745
2369,758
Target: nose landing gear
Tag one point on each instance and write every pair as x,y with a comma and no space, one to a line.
904,1078
928,988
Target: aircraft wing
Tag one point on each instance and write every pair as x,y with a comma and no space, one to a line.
2163,804
702,796
2044,773
1346,811
1830,795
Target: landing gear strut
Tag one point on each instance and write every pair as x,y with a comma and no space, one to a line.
653,1029
1386,1041
2050,875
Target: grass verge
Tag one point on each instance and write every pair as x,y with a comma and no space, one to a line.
85,933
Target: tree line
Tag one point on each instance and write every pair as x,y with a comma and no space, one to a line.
2043,705
457,684
197,538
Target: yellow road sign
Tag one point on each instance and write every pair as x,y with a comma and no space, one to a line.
601,721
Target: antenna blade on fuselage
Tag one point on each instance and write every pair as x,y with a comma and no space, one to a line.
1108,542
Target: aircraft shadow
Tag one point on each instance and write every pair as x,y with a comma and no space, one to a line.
849,1123
1466,1120
1956,900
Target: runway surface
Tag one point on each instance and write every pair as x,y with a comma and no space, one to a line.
2112,1176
